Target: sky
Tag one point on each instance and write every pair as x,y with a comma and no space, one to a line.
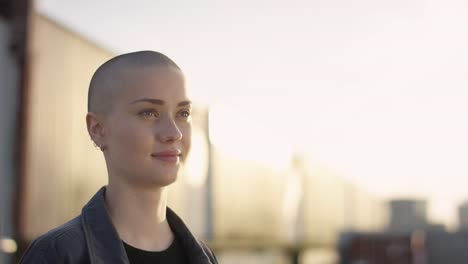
375,89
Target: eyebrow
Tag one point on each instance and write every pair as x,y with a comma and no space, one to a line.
159,102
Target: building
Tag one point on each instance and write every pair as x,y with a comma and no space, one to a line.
463,216
407,215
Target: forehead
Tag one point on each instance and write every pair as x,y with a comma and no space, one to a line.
159,82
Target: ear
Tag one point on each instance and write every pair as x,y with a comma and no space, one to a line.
95,129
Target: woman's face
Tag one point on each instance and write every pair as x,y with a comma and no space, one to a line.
148,130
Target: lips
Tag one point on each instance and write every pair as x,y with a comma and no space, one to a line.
170,156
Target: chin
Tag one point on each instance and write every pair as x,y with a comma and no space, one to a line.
167,182
158,176
163,180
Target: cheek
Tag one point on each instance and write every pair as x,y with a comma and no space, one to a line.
131,138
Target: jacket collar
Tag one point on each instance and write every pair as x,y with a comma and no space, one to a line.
193,248
105,246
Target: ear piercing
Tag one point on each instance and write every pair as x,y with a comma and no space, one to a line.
98,146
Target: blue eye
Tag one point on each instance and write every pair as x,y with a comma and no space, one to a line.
184,113
148,113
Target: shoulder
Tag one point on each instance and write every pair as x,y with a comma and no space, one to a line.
61,244
208,251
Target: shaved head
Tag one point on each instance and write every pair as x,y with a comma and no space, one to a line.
106,81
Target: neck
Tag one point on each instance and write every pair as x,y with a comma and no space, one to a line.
139,215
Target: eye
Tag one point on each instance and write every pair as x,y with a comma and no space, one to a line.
149,113
184,114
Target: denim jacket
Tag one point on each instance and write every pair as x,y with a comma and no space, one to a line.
91,238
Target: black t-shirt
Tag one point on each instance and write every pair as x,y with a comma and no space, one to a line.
174,254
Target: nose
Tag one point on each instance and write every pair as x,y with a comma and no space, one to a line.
169,132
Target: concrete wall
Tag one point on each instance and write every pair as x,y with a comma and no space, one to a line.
63,169
8,122
331,205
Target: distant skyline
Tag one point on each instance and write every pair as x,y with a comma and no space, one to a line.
376,90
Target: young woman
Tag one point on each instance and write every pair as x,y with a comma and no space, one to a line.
139,116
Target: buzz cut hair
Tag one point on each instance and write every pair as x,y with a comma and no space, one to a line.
101,90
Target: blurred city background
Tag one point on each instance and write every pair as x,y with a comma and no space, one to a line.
325,132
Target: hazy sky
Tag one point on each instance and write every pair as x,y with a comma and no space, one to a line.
375,89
